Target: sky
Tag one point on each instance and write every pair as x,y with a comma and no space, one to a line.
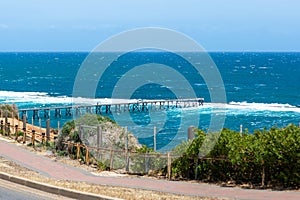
217,25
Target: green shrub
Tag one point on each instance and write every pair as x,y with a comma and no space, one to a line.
102,166
267,157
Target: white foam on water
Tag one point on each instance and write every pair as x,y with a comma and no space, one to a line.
249,107
275,107
245,108
11,97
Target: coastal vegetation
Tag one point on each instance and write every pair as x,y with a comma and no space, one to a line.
266,158
263,159
87,131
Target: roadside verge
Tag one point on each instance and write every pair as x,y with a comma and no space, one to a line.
54,189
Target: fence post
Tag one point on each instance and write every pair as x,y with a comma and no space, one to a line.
263,175
98,137
43,138
169,165
196,170
48,130
40,125
6,116
2,127
8,129
13,119
33,138
18,120
86,155
154,138
111,159
99,141
126,139
24,135
5,129
146,158
81,131
24,121
78,150
16,132
24,128
126,151
32,123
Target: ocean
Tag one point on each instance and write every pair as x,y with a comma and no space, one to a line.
262,90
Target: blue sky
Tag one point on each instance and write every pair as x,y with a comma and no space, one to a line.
218,25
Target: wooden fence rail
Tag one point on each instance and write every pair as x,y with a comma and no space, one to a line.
33,134
132,161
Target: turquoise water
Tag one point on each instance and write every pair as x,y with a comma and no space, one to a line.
262,89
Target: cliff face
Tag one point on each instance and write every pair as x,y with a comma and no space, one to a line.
98,131
10,109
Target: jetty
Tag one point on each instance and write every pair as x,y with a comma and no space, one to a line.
115,106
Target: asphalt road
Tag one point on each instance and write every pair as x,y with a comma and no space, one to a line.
12,191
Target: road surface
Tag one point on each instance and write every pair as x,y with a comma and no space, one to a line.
13,191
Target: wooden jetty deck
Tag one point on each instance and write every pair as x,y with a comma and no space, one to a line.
117,106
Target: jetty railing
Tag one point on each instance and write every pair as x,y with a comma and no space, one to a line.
117,106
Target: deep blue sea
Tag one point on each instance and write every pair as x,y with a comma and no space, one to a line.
262,89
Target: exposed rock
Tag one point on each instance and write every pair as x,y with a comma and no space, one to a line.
20,139
49,153
11,110
89,128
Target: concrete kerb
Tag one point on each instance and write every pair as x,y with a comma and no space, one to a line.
54,189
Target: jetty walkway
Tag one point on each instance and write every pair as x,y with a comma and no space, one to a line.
117,106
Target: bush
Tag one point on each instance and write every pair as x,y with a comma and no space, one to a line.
270,157
102,166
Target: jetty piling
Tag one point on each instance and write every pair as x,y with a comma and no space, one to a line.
105,108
